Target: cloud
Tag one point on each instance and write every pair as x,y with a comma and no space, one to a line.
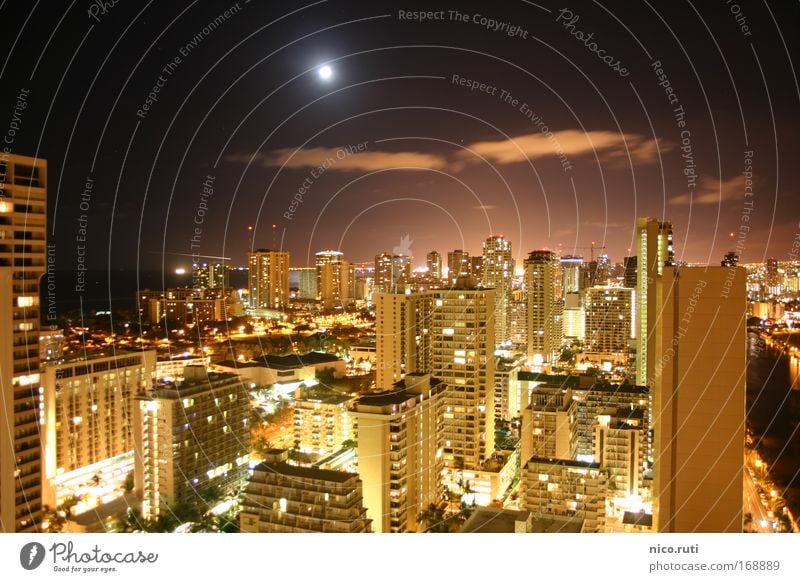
609,145
484,207
342,159
709,191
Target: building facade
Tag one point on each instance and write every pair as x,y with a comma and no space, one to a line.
268,279
24,259
543,284
190,438
284,498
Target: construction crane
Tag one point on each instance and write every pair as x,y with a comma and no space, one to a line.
591,250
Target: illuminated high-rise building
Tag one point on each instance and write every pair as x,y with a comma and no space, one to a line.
545,305
88,427
399,451
609,320
210,275
654,251
571,273
630,265
498,269
23,256
434,263
304,279
334,276
699,399
448,333
269,279
462,343
391,271
190,438
458,265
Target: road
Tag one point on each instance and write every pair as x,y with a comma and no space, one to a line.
754,506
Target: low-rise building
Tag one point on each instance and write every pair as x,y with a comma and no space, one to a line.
565,487
322,420
88,419
284,498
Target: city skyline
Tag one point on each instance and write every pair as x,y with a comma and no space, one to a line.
366,267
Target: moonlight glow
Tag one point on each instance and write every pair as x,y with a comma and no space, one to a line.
325,72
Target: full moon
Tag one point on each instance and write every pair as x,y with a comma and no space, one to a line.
325,72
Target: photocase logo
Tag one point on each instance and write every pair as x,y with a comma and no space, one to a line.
31,555
404,248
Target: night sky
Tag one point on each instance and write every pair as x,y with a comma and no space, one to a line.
572,135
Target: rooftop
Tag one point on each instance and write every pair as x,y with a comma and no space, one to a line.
287,362
287,470
564,463
494,520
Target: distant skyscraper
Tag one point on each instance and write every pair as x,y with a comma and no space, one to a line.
730,259
304,279
269,279
699,399
498,265
210,275
629,264
571,269
391,271
476,268
434,262
653,251
458,265
23,230
609,319
545,304
333,279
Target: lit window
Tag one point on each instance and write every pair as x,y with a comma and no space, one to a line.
24,301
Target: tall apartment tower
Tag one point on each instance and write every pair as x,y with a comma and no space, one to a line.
448,333
699,399
630,265
545,304
458,265
462,355
571,273
269,279
391,271
402,330
23,256
333,278
609,326
654,251
190,438
549,424
434,262
399,451
498,269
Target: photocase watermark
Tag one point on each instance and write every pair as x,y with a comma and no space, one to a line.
207,191
172,66
739,17
50,282
317,172
794,251
20,105
568,19
32,555
82,235
66,558
744,220
523,107
491,24
679,115
98,8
